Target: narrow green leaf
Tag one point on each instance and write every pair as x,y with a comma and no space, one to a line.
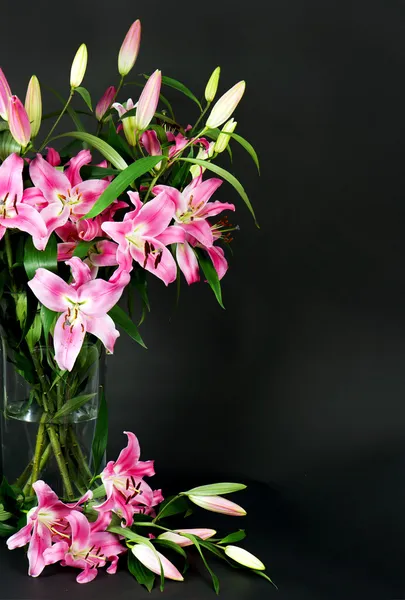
73,404
90,172
82,248
105,149
121,318
48,318
210,274
122,181
70,110
5,515
8,145
171,546
100,439
227,176
99,492
215,489
196,543
261,574
140,572
248,147
237,536
177,85
168,508
85,94
218,552
6,529
34,259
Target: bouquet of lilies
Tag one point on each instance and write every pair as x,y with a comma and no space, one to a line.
79,225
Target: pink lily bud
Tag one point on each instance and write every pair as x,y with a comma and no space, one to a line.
129,50
105,102
79,66
19,122
148,101
5,94
151,558
176,537
225,106
218,504
245,558
33,105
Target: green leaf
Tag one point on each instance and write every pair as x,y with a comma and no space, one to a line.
90,172
73,404
99,492
215,489
225,175
237,536
263,575
174,508
140,572
82,248
4,514
6,529
70,110
4,126
121,318
105,149
171,546
85,94
122,181
46,259
218,552
177,85
48,318
8,145
100,439
196,543
210,274
248,147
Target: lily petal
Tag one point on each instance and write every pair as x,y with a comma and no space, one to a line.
51,290
99,296
41,539
21,538
75,164
80,271
11,183
103,328
154,216
68,340
188,262
201,230
49,180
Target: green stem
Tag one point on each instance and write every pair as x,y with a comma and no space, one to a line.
164,508
38,448
44,459
152,185
23,478
79,456
201,116
189,143
57,121
57,450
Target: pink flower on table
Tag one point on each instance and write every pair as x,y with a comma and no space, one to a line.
67,195
46,523
138,236
84,305
126,491
14,213
86,549
192,207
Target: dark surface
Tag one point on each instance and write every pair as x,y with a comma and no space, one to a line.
301,571
300,382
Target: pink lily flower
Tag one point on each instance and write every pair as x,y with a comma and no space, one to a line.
105,102
138,236
180,141
83,305
45,523
192,207
177,538
5,94
126,491
87,549
187,260
153,559
13,212
53,157
18,120
67,195
104,254
65,251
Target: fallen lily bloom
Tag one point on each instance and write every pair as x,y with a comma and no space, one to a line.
245,558
154,560
218,504
176,536
45,523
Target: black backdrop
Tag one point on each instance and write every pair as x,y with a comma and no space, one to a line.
300,382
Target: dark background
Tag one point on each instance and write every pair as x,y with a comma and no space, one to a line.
300,383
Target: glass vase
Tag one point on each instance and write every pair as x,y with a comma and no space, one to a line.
48,419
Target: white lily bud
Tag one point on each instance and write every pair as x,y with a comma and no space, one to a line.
245,558
225,106
212,85
223,138
79,66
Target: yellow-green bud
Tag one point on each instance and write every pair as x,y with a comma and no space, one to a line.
212,85
245,558
33,105
79,66
223,138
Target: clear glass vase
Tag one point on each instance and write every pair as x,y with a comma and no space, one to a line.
48,419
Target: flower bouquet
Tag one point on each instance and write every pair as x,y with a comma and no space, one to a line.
77,232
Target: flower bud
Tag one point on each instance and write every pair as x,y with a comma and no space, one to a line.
5,94
245,558
105,102
79,66
148,101
152,561
19,122
129,50
223,138
225,106
33,105
212,85
203,153
176,537
218,504
128,124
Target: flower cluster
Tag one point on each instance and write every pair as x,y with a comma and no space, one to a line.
88,536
